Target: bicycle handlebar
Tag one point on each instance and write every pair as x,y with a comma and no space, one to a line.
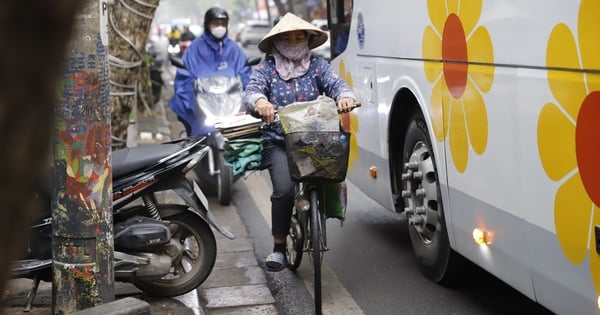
356,104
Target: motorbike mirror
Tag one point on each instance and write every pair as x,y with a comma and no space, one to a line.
252,61
177,62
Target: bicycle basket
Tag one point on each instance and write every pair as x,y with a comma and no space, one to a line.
318,155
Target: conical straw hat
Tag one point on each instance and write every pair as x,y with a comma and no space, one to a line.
291,22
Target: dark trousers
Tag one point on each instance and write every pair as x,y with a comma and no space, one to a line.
274,159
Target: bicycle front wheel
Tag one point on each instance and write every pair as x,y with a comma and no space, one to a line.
315,240
295,242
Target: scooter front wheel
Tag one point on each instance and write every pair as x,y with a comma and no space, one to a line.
224,181
195,262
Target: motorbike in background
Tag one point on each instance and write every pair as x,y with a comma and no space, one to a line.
157,57
174,49
183,45
217,97
164,249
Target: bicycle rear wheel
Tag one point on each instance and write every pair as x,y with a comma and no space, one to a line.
315,240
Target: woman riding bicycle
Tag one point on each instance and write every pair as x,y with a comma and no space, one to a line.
289,74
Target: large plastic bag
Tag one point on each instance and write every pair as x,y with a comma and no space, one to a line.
318,115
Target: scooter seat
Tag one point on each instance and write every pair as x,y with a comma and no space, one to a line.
128,160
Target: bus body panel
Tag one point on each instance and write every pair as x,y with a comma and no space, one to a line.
504,183
521,28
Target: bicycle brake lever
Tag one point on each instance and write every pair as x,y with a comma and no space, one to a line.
355,105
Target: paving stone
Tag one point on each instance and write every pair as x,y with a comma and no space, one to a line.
235,296
225,245
268,309
235,260
235,277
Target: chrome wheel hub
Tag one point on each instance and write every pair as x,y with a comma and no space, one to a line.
420,192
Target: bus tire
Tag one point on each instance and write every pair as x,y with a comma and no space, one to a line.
423,205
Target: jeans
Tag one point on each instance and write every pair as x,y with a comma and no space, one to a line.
274,158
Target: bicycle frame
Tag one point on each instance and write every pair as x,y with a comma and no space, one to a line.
305,190
308,228
314,158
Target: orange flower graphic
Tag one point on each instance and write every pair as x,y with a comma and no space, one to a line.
458,109
350,120
569,134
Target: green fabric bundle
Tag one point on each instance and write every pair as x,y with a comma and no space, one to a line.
243,154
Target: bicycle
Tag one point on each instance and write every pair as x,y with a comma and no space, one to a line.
315,159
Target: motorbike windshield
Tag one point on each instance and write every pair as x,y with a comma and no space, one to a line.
218,97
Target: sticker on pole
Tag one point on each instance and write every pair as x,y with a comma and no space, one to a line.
104,22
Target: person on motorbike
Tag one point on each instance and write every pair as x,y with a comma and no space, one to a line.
289,74
211,54
174,35
187,35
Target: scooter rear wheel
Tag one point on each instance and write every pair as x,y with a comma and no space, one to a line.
190,269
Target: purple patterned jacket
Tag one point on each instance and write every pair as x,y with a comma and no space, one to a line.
266,83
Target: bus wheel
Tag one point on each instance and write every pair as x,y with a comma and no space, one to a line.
423,205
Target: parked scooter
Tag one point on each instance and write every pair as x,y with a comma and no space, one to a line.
164,249
218,97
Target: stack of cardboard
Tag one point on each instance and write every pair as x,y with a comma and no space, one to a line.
238,126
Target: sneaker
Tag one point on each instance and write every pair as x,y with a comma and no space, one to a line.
275,261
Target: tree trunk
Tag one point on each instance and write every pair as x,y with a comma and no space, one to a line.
33,39
280,7
128,25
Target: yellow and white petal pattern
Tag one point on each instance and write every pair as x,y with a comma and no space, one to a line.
476,117
556,142
569,133
589,26
440,105
458,136
432,50
567,87
573,226
350,120
455,40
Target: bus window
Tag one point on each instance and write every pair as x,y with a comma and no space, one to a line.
340,14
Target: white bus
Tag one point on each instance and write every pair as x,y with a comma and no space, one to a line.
481,122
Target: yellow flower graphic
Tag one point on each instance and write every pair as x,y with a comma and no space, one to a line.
457,106
350,120
569,134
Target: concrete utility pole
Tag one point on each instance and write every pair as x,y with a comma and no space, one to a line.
82,242
298,7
